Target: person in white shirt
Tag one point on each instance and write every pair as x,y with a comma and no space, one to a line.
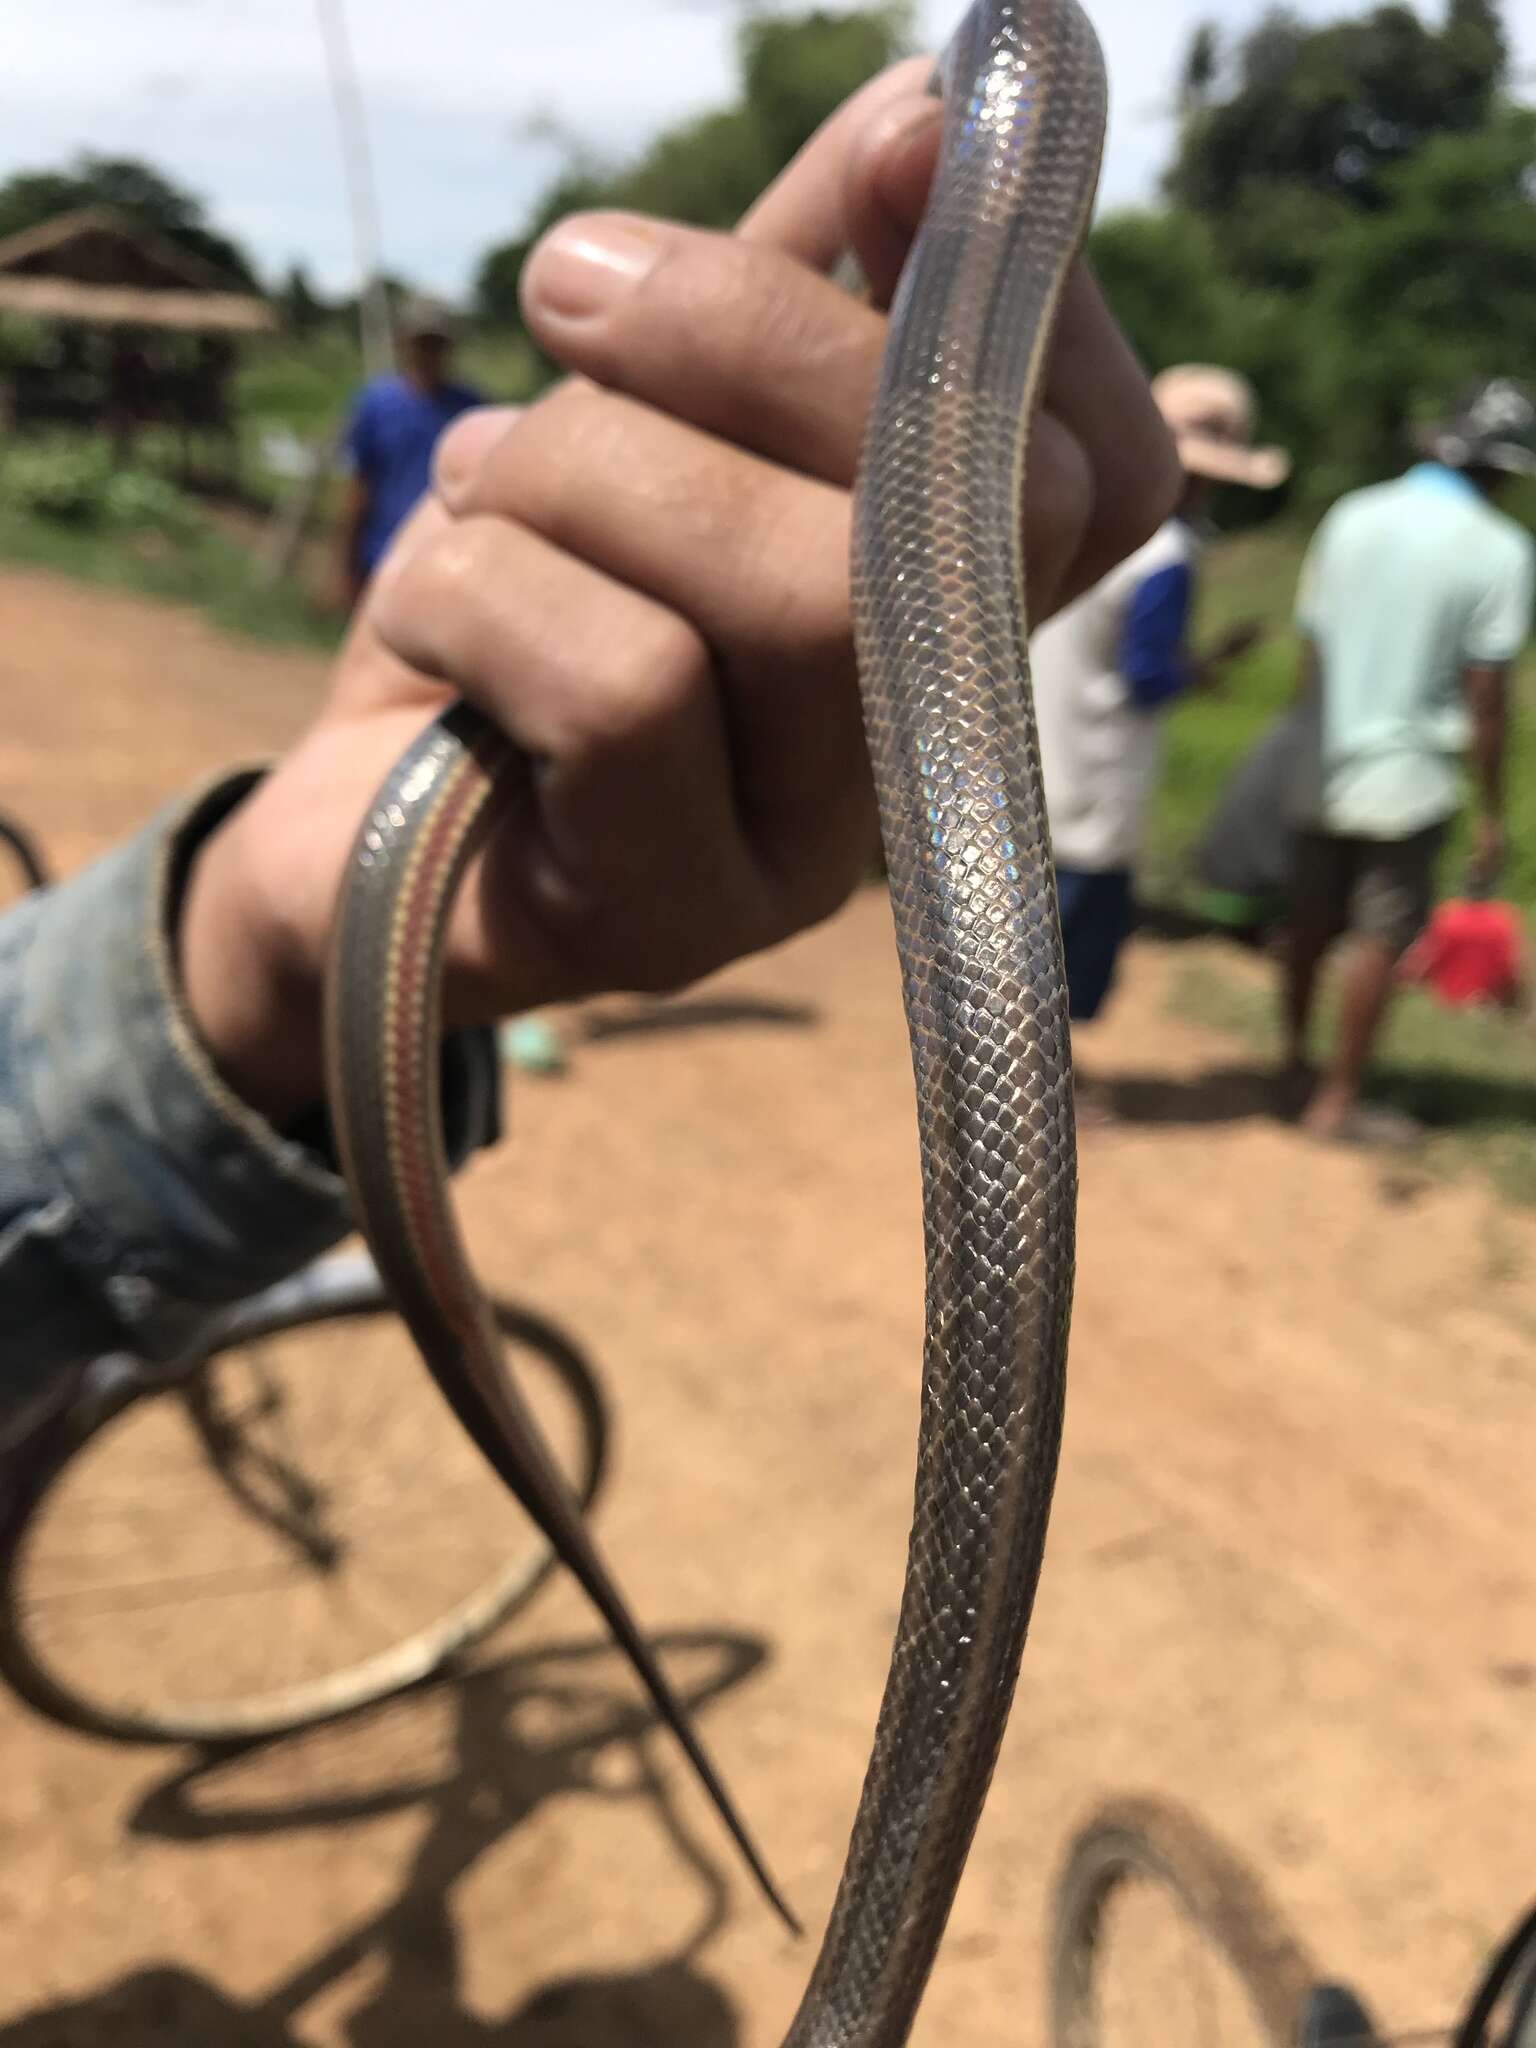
1107,669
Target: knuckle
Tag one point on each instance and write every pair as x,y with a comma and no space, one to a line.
565,411
553,458
649,681
428,599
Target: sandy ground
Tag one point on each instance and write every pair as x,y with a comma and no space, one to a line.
1290,1579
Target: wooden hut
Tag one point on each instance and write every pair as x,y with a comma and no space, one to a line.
134,331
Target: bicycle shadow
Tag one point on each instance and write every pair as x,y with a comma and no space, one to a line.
546,1723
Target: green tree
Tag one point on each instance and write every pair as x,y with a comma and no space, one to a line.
136,189
1202,66
1167,282
707,173
303,310
798,71
1333,108
1437,290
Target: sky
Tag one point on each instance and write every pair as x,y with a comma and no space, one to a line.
230,98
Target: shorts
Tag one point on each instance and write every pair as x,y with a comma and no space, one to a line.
1380,889
1097,912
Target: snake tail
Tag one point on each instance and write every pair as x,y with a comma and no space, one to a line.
383,1077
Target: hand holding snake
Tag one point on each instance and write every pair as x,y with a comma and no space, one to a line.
941,639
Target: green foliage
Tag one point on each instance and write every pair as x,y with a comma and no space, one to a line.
798,71
1436,291
303,386
32,197
1331,109
302,309
1354,228
1202,67
73,483
707,173
1167,282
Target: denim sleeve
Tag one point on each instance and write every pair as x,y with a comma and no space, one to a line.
138,1194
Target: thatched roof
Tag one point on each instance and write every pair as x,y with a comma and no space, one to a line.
98,266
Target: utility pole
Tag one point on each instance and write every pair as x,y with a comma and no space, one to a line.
375,326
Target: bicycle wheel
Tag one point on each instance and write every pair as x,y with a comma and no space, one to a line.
1503,2011
1160,1935
299,1529
24,869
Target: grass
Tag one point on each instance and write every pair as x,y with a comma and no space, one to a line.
1468,1076
203,567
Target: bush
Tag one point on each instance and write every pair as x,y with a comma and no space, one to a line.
75,484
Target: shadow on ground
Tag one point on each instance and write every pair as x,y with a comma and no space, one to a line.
702,1013
555,1721
1442,1100
1219,1095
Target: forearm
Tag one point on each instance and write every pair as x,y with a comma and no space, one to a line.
139,1193
1488,704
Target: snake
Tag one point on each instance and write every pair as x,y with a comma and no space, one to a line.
941,639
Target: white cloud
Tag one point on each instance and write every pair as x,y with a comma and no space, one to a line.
231,98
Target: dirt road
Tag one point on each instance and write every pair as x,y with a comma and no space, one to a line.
1291,1578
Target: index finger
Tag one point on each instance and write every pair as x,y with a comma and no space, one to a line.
804,212
862,182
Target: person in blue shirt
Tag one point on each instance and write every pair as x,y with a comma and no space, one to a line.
395,426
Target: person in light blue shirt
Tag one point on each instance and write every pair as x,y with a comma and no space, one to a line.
1415,598
395,426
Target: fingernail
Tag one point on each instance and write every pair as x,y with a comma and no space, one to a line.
581,267
464,447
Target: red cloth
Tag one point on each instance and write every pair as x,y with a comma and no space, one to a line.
1470,953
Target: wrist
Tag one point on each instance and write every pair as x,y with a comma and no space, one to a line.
253,993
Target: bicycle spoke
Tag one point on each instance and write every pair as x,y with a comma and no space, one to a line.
309,1511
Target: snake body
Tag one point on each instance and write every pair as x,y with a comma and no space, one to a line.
942,638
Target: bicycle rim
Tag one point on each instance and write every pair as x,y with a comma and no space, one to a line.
25,869
1503,2012
1162,1937
300,1531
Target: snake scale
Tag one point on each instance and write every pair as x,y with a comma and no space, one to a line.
941,637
